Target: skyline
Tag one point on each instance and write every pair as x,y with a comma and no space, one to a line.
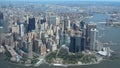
59,33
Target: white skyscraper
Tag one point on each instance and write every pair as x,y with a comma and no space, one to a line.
21,30
93,39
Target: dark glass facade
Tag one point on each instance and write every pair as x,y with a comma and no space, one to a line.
31,25
1,16
75,44
82,24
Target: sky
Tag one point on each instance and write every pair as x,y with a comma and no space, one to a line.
61,0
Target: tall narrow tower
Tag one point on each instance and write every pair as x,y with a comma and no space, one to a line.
21,30
93,39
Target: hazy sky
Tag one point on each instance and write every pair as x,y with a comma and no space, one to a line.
61,0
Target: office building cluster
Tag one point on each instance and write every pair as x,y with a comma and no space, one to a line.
34,35
50,33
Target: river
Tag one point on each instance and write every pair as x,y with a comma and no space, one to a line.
109,34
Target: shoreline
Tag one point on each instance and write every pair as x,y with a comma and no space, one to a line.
66,65
14,63
19,64
55,64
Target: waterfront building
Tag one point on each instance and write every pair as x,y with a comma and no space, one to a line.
99,46
75,42
89,26
93,39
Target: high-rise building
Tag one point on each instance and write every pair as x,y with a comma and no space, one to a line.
76,26
43,49
30,54
88,30
21,30
1,35
1,16
57,36
66,22
42,21
64,39
31,25
1,19
83,43
75,42
53,47
82,24
15,29
93,39
36,46
54,20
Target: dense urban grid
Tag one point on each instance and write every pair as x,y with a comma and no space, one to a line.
43,33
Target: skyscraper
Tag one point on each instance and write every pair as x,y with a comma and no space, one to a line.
30,54
31,25
1,35
21,30
75,42
30,44
1,16
82,24
88,29
66,22
35,46
54,20
93,39
83,43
